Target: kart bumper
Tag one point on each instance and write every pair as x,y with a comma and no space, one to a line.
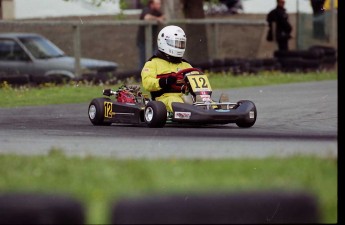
186,113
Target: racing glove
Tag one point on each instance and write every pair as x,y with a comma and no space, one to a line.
167,82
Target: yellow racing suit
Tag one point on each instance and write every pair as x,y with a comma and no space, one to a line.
154,69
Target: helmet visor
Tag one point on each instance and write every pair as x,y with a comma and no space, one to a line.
181,44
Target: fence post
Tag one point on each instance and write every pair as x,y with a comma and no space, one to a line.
77,52
297,25
333,24
148,40
215,38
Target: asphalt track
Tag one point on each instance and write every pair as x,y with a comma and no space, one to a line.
293,119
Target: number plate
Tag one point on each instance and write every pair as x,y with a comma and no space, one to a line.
199,83
108,110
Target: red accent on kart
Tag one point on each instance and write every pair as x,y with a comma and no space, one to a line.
125,96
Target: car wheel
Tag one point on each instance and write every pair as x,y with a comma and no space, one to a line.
250,119
155,114
96,112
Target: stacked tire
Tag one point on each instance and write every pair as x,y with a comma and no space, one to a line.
15,79
315,58
329,59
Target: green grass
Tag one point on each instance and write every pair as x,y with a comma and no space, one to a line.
97,182
84,92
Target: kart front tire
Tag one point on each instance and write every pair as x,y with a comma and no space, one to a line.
247,121
155,114
96,112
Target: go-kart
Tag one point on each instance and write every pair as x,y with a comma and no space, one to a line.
131,106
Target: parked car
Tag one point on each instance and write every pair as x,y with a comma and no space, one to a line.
34,58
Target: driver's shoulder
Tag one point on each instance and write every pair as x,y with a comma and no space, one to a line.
186,64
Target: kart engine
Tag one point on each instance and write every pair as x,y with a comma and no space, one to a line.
125,96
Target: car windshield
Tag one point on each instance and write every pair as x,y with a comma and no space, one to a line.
41,48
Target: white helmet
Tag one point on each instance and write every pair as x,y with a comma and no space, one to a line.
172,41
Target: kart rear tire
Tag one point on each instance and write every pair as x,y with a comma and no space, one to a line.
247,122
155,114
96,112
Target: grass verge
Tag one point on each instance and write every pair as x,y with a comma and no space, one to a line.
97,181
83,92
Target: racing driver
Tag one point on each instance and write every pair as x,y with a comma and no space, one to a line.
158,72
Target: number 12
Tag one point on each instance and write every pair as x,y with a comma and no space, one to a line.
201,82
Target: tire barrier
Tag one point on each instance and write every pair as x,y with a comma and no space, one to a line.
299,65
128,74
327,51
315,58
237,208
25,208
271,64
110,78
304,54
100,77
204,66
15,79
256,207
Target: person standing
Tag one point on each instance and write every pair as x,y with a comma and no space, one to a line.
279,26
152,12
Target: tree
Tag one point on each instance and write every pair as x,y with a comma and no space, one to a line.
0,9
197,48
196,34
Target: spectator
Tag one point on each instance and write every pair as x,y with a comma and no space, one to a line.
152,12
279,26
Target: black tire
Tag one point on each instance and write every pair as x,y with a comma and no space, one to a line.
35,208
58,79
15,79
155,114
235,208
291,64
204,66
247,122
216,63
96,112
304,54
128,74
328,51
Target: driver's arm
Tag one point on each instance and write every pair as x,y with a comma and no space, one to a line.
148,76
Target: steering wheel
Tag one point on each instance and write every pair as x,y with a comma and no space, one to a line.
185,71
180,75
